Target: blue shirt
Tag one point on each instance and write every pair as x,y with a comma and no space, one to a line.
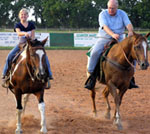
28,29
116,23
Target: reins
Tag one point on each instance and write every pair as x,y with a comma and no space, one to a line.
128,59
32,78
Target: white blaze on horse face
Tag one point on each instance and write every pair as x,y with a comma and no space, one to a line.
40,53
144,46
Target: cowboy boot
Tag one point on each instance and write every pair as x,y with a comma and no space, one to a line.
48,85
5,82
132,84
90,83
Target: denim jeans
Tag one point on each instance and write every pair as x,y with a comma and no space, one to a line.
12,54
96,51
48,65
9,58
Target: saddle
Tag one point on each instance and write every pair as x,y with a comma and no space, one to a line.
107,47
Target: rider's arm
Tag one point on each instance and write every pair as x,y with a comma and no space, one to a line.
26,34
20,33
110,32
130,29
33,34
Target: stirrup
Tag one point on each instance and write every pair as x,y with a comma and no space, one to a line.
5,83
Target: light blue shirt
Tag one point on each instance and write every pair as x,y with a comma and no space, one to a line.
116,23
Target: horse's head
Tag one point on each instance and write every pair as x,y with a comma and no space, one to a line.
36,58
140,48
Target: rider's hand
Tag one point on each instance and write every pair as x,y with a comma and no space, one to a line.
115,36
27,34
130,33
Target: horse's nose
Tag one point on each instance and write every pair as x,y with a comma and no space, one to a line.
41,75
144,65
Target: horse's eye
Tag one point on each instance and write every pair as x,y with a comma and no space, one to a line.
137,47
33,55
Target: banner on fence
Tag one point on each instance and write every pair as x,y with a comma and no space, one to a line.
11,38
84,39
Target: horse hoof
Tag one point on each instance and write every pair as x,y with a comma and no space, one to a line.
43,130
119,127
107,115
19,132
95,114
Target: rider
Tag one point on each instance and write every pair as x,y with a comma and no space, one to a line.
24,29
113,22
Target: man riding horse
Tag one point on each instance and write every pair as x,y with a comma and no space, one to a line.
113,22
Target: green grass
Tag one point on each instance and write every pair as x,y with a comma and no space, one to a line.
71,30
54,48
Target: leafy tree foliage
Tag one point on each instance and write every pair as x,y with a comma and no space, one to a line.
5,8
71,13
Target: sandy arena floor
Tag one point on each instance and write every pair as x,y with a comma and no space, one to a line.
69,106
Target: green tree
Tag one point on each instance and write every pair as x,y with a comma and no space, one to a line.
70,13
138,11
5,12
37,7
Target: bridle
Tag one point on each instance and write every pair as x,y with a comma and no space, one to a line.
33,75
128,59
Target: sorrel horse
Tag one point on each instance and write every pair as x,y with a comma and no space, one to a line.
28,75
118,70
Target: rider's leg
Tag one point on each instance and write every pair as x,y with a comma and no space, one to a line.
132,82
96,51
50,74
49,68
9,58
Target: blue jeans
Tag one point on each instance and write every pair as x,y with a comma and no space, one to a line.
12,54
9,58
96,51
48,65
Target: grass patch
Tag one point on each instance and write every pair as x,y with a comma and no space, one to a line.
53,48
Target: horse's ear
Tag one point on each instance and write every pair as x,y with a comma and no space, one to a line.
44,41
147,35
135,33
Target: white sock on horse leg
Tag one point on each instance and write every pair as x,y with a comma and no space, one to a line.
41,107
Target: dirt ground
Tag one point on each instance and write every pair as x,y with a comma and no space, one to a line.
69,105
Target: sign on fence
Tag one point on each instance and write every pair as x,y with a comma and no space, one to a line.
84,39
11,38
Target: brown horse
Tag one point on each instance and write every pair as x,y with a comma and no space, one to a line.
28,75
118,71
